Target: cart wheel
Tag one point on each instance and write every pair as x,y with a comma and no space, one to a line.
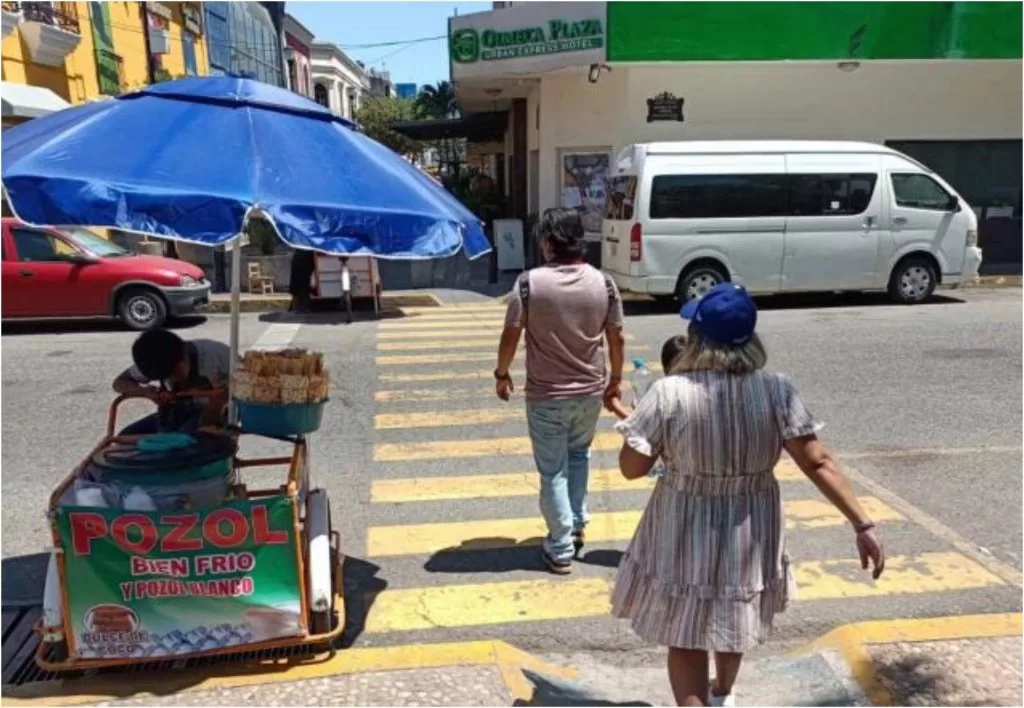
320,571
348,307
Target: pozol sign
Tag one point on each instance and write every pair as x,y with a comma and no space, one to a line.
470,45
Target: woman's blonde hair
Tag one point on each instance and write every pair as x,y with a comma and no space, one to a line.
700,354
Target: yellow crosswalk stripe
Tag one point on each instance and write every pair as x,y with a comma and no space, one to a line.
453,375
454,309
433,395
416,359
393,334
443,341
481,604
436,419
480,447
604,527
514,484
433,325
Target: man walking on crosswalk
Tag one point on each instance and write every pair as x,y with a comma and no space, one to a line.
568,309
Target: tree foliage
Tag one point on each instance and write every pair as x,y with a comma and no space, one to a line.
377,114
437,101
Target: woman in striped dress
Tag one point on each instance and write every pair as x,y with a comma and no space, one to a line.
708,569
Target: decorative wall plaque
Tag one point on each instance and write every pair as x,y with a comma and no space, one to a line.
665,106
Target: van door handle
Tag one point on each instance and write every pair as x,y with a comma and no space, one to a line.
609,239
899,221
869,222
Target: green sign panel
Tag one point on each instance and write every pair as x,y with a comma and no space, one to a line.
469,45
144,584
808,31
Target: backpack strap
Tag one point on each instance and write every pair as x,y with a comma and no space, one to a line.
609,286
523,283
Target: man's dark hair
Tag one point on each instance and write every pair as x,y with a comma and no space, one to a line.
670,350
562,228
157,352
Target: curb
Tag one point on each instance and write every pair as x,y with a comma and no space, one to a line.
220,304
993,281
851,642
511,662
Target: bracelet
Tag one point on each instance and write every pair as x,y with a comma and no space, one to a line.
861,528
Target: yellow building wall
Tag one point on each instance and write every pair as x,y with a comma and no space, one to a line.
76,81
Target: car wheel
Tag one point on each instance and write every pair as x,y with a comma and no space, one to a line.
913,281
699,280
142,309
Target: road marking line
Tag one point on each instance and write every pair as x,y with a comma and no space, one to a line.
851,641
427,334
454,309
423,395
475,416
444,342
936,527
483,375
422,539
277,336
443,449
532,600
77,691
402,325
417,359
515,484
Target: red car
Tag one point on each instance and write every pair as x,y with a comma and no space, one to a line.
72,272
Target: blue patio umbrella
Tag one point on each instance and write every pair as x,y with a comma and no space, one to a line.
191,160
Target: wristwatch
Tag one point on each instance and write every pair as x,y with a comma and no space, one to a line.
501,377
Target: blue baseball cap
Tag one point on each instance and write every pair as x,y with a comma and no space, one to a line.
725,314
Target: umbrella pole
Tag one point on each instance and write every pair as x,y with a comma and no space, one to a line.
236,291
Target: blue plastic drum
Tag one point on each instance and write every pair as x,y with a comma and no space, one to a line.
280,419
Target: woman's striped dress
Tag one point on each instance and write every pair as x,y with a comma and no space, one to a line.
707,568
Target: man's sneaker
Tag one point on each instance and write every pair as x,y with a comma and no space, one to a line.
558,567
578,538
726,700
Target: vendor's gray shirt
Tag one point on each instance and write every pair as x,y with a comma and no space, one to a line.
567,314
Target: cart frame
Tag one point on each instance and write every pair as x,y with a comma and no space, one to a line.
295,488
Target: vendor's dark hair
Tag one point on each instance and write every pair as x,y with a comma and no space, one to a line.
157,352
562,228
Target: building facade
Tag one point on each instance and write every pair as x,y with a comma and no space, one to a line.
579,81
380,82
339,83
245,38
298,43
75,52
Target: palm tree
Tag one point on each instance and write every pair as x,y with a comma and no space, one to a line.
437,101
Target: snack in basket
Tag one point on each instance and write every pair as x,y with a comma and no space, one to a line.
286,376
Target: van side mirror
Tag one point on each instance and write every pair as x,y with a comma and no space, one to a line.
953,205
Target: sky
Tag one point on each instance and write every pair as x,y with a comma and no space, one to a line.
350,24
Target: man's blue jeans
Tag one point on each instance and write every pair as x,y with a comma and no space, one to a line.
561,433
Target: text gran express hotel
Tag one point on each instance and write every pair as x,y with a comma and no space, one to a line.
575,82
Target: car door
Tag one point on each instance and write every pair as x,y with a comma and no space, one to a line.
834,230
925,215
47,278
14,302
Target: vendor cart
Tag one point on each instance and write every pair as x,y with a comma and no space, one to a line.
208,566
346,278
219,568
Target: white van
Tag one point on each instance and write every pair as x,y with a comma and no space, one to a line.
783,216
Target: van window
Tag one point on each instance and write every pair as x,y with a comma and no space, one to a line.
621,198
917,191
717,196
830,195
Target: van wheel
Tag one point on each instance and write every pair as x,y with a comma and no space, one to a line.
699,280
141,309
913,281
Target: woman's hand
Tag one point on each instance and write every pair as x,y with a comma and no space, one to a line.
870,548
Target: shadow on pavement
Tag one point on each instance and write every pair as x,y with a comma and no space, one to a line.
503,555
797,301
549,691
79,326
360,587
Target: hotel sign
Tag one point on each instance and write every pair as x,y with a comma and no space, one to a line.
525,38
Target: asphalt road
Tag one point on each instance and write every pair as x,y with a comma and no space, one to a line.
923,405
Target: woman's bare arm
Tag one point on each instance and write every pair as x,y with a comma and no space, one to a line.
632,464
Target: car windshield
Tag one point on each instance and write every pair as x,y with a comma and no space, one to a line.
97,244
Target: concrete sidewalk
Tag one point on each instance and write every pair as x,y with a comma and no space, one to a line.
951,661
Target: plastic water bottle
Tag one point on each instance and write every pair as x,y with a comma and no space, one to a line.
641,381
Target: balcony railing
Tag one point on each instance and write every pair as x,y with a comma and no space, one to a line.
56,14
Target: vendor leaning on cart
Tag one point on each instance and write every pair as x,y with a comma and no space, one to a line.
165,364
